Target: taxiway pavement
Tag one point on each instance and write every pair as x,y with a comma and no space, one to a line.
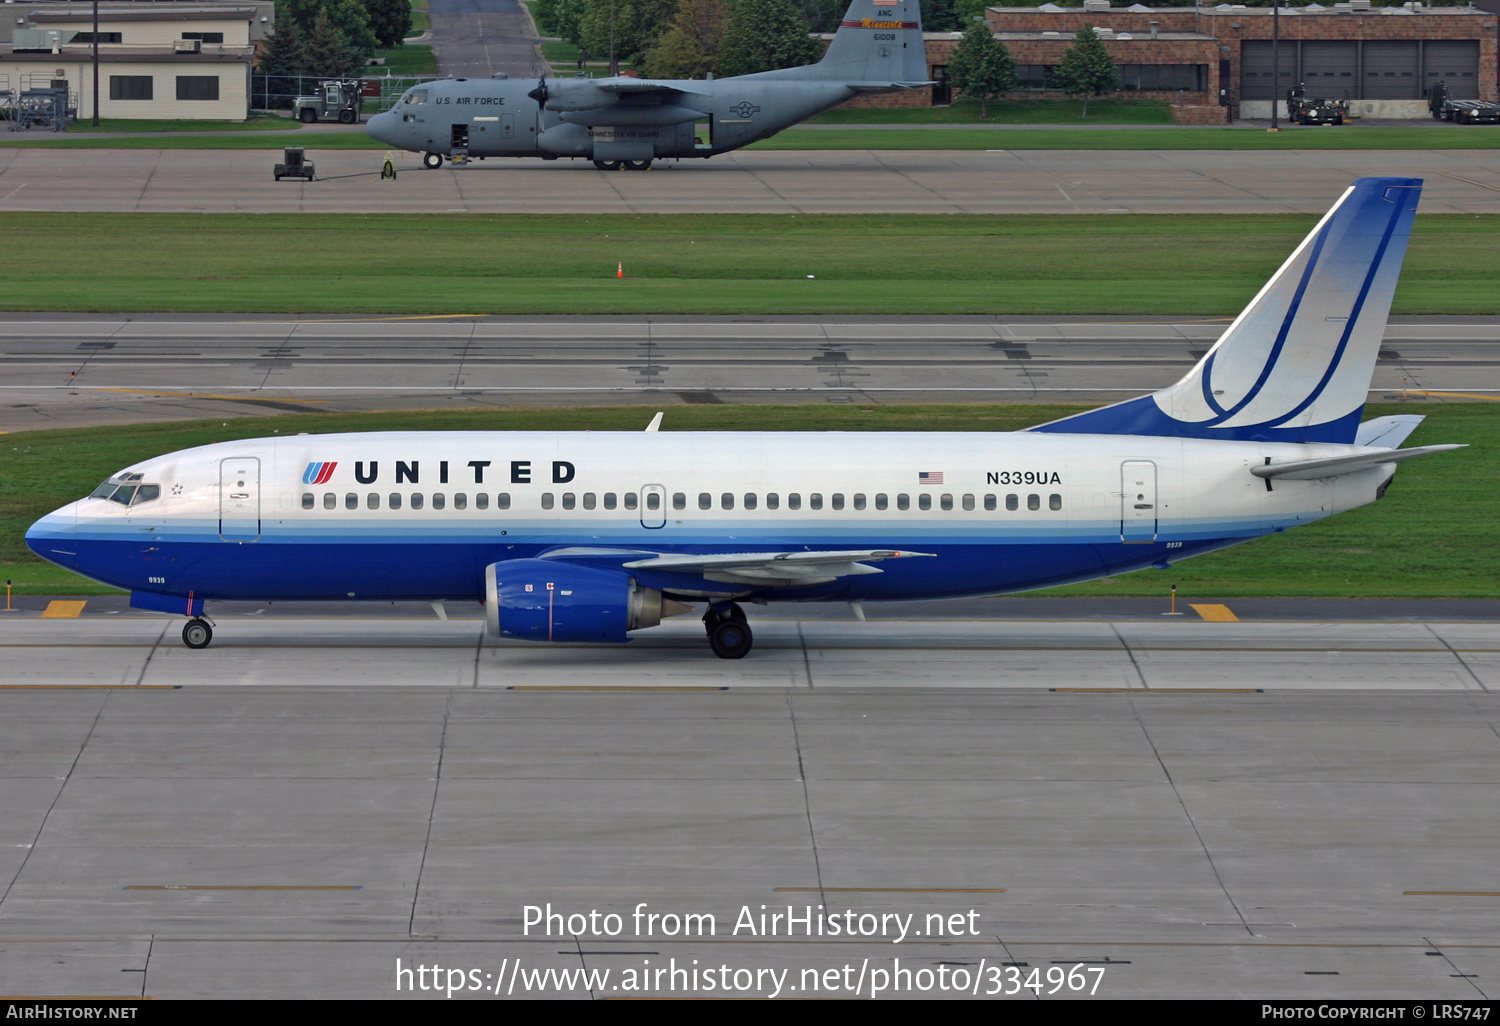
69,371
852,181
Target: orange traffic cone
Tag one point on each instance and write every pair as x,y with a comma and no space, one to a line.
620,269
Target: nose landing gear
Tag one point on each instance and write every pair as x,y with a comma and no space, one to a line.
197,633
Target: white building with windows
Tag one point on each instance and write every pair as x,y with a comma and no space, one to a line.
179,61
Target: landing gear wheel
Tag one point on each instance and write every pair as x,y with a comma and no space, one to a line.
346,117
308,116
607,165
197,634
432,161
730,638
637,165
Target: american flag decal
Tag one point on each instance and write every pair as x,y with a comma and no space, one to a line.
930,477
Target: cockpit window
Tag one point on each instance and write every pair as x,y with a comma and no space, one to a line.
415,97
123,488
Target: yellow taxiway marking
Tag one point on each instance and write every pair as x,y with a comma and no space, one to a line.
63,609
1470,181
893,890
205,395
90,687
1216,613
248,887
1460,894
1448,395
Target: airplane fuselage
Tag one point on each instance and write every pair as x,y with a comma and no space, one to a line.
421,515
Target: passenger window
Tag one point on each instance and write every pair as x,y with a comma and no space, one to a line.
924,501
882,501
989,503
437,500
815,501
726,501
351,501
502,501
968,502
903,501
590,500
859,500
547,500
330,501
307,500
750,500
947,501
569,500
393,501
1033,501
1010,502
679,500
705,501
373,500
416,500
1054,501
460,501
630,500
794,501
482,500
611,500
653,500
837,500
773,501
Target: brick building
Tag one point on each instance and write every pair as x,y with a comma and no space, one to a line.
1214,63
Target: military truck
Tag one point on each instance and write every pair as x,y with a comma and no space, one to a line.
337,100
1306,110
1463,112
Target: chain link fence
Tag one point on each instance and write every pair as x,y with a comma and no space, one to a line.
279,92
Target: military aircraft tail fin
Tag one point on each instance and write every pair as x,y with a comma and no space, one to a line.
878,42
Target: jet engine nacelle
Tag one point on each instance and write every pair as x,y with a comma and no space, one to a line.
547,600
573,94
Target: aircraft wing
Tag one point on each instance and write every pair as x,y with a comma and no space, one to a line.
885,87
1333,466
775,568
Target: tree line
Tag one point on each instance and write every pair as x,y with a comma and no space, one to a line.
332,38
982,67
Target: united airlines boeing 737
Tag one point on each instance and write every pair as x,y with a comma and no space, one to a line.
574,536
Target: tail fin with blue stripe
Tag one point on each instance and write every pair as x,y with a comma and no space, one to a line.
1295,366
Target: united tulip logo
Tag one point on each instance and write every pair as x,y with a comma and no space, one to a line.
318,473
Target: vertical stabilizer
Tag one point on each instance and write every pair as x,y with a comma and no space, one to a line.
1295,366
878,42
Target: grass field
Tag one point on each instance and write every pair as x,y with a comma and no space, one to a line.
1104,111
255,123
421,20
1434,534
1203,265
408,59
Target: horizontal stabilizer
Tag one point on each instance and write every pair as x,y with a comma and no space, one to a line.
1387,432
782,568
1333,466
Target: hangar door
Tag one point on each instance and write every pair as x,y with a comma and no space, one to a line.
1391,71
1330,68
1255,69
1455,63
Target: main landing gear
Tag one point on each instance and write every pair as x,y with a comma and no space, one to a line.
728,632
197,633
432,161
628,165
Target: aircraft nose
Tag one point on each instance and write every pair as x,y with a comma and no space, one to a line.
382,127
56,528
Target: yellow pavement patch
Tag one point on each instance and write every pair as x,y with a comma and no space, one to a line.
63,609
1216,613
1451,395
206,395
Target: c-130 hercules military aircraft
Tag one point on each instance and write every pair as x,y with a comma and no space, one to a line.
629,122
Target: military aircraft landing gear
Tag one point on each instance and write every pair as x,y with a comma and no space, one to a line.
196,633
637,165
728,632
432,161
607,165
